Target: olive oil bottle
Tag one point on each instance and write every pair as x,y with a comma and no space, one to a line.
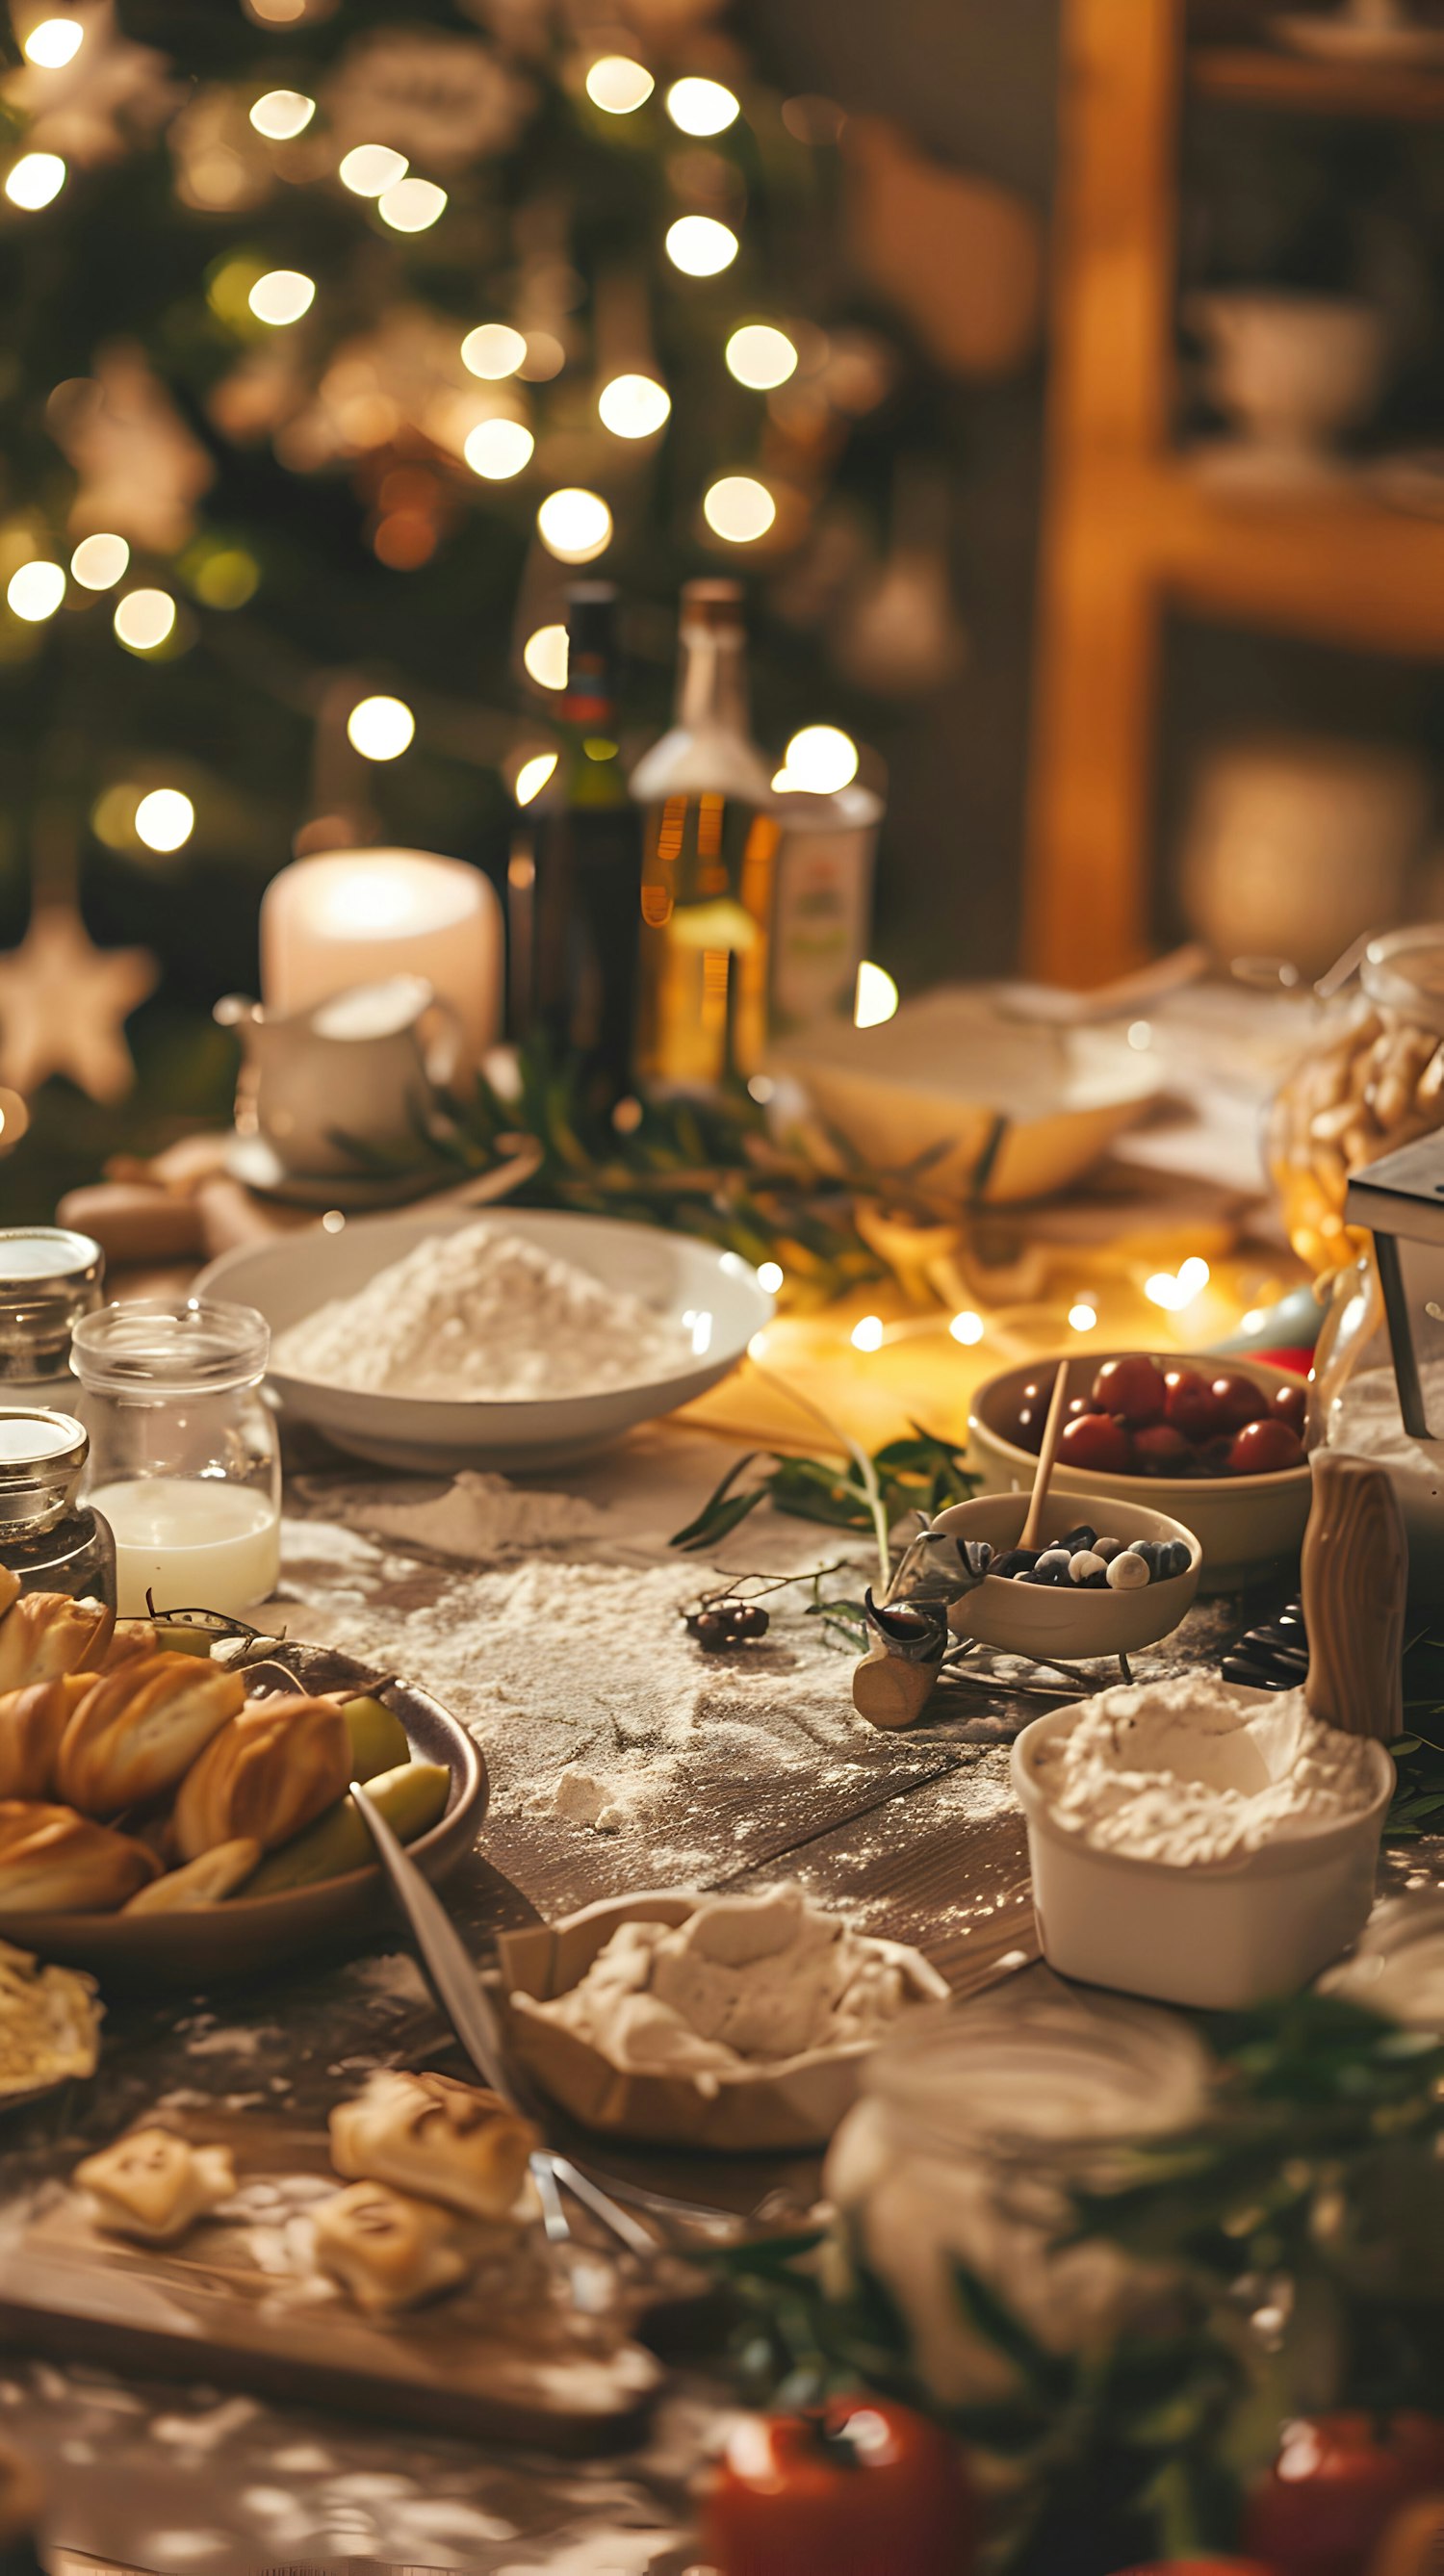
709,844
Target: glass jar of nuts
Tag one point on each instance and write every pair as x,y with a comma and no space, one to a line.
1372,1080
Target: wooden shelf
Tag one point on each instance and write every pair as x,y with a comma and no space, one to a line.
1305,85
1343,567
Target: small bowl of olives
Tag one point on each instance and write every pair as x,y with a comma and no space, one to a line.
1219,1444
1106,1578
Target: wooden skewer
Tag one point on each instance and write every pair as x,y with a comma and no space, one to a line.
1043,1477
892,1690
1355,1576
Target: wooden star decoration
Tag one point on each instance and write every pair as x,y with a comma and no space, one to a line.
64,1004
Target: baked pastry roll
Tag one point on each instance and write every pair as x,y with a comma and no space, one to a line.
9,1588
55,1862
153,2185
207,1881
266,1774
386,2249
131,1638
43,1633
141,1727
32,1722
456,2143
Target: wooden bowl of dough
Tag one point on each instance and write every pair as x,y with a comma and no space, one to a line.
200,1945
786,2105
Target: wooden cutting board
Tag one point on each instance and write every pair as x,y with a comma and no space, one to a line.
501,2359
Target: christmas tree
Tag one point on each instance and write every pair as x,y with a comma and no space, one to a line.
339,335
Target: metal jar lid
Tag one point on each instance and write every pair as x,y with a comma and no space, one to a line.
41,1456
49,1278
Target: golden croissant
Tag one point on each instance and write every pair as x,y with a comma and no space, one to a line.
207,1881
32,1722
139,1728
266,1775
44,1633
132,1638
55,1862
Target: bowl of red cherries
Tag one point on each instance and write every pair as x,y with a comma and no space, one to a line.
1217,1444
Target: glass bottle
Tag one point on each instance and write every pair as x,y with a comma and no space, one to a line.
50,1539
49,1278
821,907
970,2133
707,863
184,1458
577,982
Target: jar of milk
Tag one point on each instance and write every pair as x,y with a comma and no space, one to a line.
972,2128
184,1459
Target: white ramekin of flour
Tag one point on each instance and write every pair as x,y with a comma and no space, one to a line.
1198,1843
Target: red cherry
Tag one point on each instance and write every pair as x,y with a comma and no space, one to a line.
1265,1449
1131,1388
1190,1405
1239,1401
1291,1404
1335,2486
1160,1450
1098,1444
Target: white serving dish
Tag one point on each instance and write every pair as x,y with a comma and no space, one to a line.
1046,1620
934,1080
1218,1938
713,1297
1249,1527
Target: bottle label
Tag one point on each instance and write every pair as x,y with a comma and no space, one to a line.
820,922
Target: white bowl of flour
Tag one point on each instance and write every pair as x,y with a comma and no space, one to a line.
1199,1843
522,1339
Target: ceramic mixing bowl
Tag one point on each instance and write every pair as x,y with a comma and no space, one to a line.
1045,1619
1249,1527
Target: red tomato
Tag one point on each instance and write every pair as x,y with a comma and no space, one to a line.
1160,1449
1199,2567
1132,1388
859,2487
1264,1448
1239,1400
1336,2483
1096,1443
1291,1404
1190,1404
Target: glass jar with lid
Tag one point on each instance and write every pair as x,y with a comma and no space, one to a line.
49,1278
48,1538
971,2129
184,1458
1371,1080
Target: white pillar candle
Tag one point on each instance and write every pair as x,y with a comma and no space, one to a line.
357,916
190,1540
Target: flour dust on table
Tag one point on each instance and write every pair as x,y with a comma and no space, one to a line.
482,1314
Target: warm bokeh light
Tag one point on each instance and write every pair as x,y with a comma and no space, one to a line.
282,114
545,357
35,591
967,1328
619,85
820,759
633,406
769,1276
544,657
866,1334
1082,1317
369,169
493,350
761,357
282,296
574,525
700,246
702,106
99,562
876,997
1174,1292
497,449
144,618
227,578
739,508
54,43
35,179
533,774
380,728
277,13
165,819
412,206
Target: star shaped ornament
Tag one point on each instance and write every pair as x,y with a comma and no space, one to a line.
64,1004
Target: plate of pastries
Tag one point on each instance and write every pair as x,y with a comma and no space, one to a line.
174,1807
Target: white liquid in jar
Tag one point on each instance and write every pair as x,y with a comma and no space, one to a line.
194,1541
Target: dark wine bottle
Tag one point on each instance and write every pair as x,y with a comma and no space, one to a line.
575,936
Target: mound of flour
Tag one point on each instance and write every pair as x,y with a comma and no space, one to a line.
486,1314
